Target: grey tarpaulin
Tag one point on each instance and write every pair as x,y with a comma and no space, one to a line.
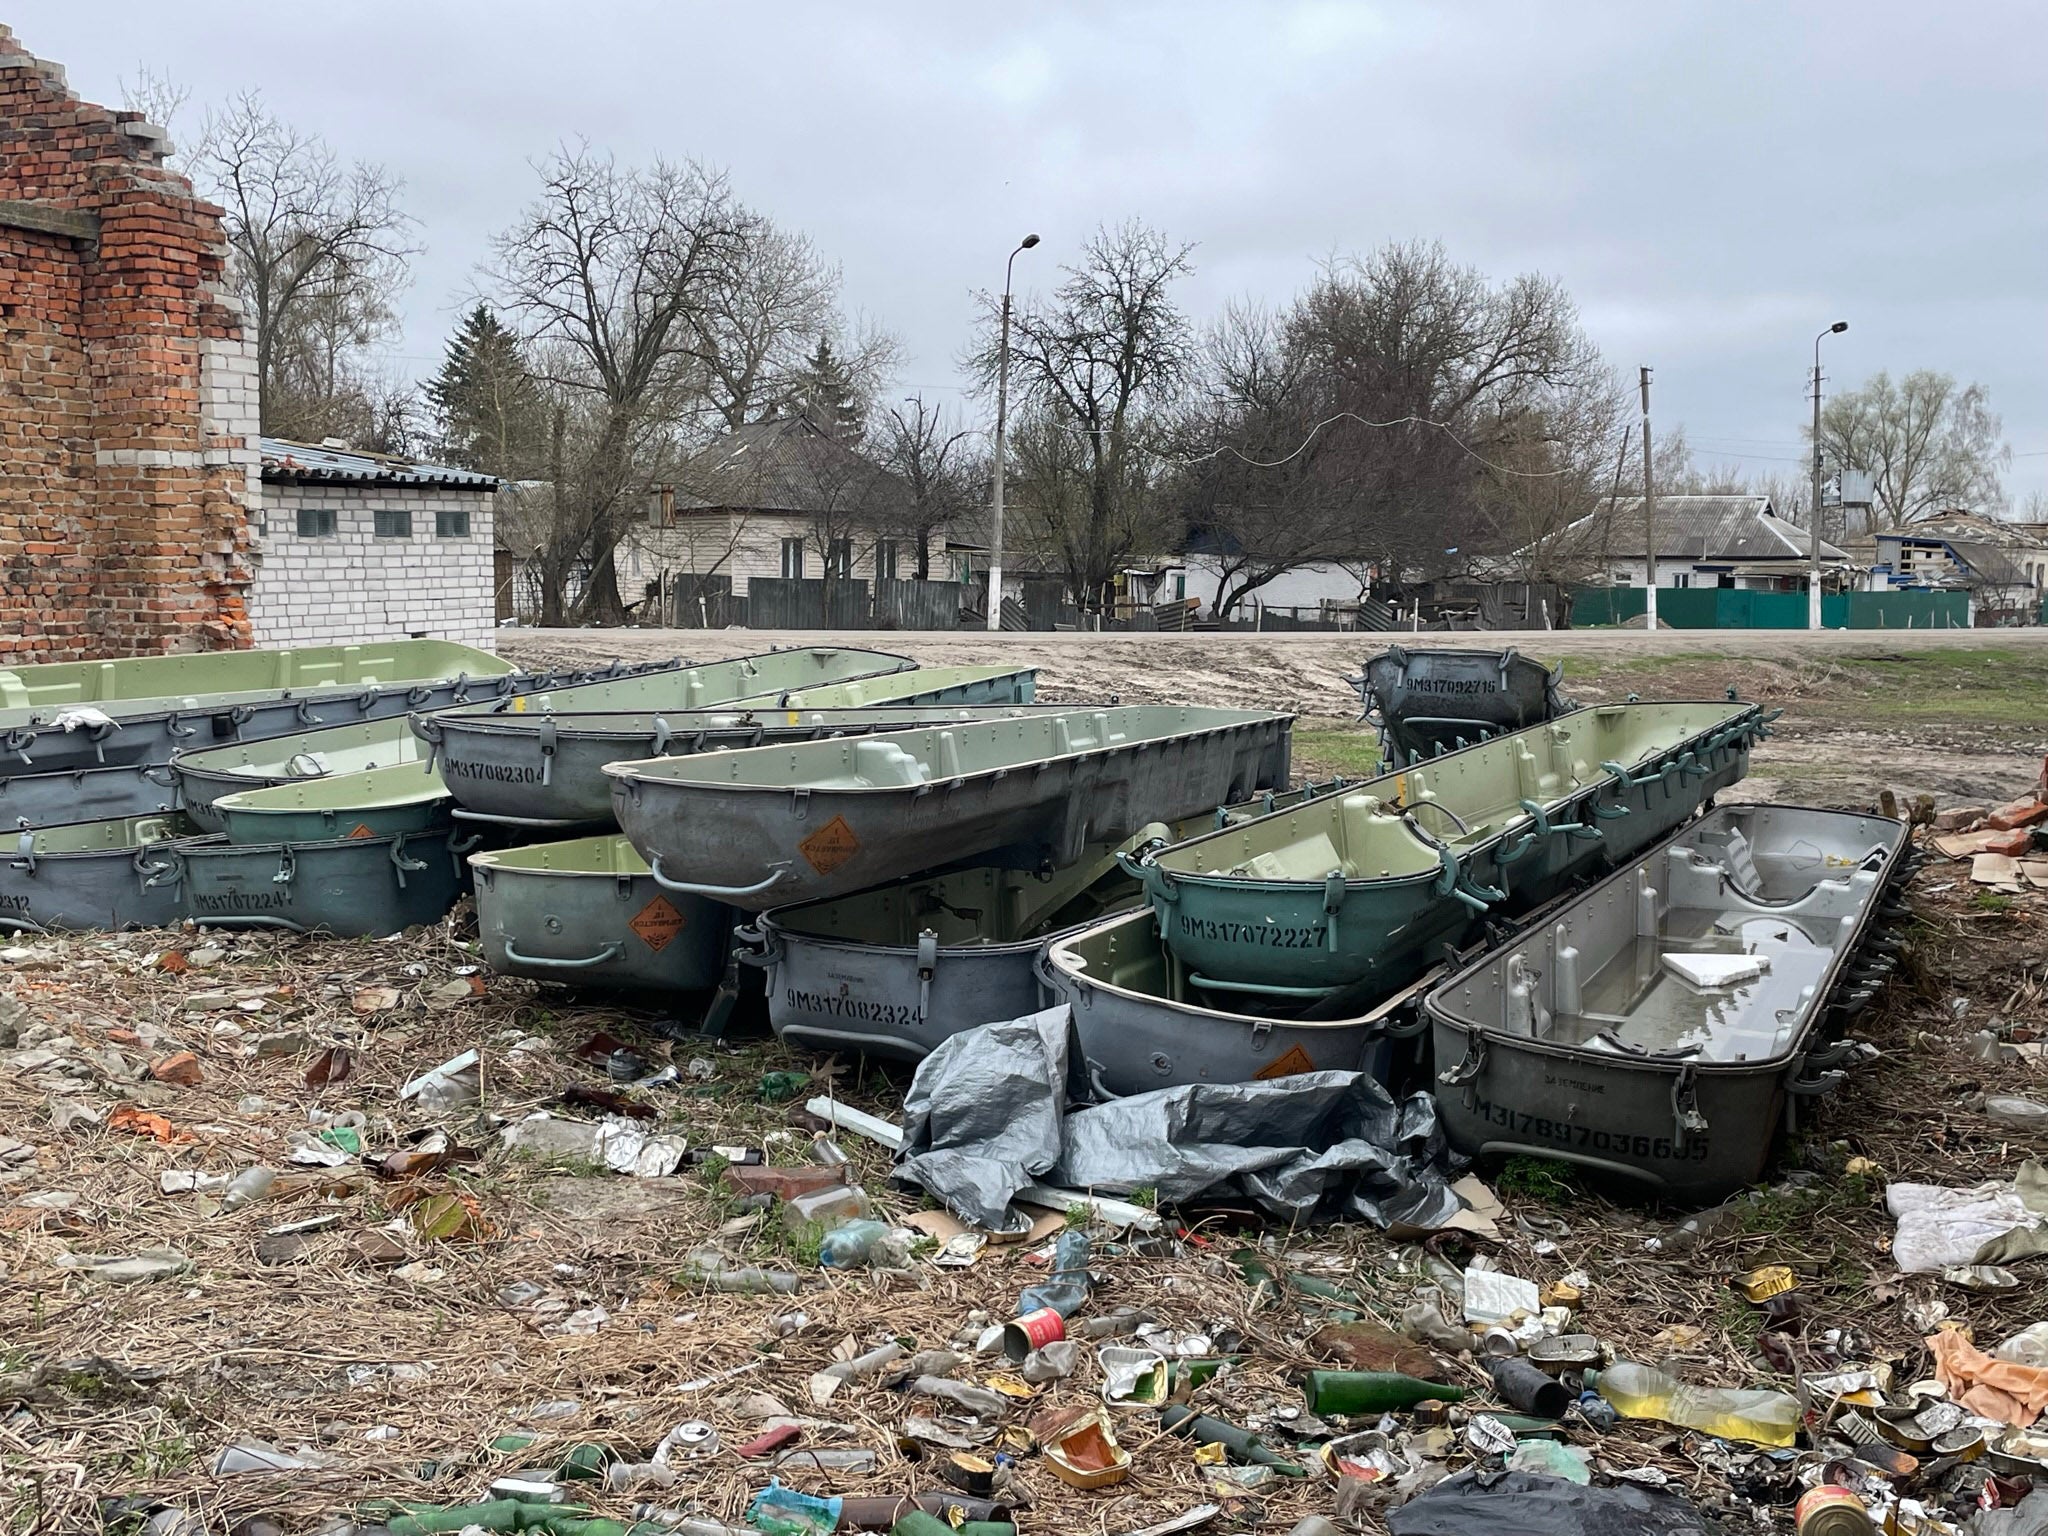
1529,1504
996,1108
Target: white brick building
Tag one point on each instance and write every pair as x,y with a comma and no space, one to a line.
361,546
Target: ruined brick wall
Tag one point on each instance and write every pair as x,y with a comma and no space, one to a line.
128,454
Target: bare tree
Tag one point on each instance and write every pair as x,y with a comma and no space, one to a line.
614,271
1928,444
932,457
157,97
760,328
318,251
1097,364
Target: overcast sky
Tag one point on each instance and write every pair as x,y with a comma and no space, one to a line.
1714,182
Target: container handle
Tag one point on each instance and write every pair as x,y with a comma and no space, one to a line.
1266,989
175,725
661,737
418,694
19,741
1467,1071
609,952
367,699
158,774
1687,1120
715,892
154,872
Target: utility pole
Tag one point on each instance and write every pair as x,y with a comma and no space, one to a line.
1649,514
995,564
1813,577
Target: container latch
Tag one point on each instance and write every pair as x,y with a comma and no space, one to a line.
1685,1107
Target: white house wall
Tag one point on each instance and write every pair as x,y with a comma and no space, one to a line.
355,586
706,543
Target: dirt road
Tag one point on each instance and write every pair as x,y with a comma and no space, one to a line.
1959,714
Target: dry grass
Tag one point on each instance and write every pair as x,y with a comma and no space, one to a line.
240,1349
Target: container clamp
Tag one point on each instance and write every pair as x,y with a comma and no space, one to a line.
1466,1073
459,689
154,872
1685,1107
25,848
287,866
19,741
660,740
305,712
715,892
238,717
418,694
401,863
547,750
927,963
428,729
760,948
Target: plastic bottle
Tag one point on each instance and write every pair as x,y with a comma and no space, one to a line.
850,1246
863,1366
1353,1392
827,1208
962,1394
1066,1288
708,1267
247,1188
1730,1413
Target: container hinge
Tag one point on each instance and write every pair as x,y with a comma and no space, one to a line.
1685,1106
800,802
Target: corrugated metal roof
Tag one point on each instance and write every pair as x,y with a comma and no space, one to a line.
1696,528
287,460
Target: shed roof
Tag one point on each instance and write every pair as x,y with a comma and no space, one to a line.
287,462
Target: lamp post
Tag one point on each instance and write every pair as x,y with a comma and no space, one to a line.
1813,581
995,562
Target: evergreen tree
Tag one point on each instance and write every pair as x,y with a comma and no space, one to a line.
485,402
828,397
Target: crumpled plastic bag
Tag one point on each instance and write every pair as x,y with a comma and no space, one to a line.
2027,1518
1530,1504
989,1112
1941,1228
1987,1386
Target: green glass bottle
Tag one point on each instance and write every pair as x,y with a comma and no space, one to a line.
1238,1442
1339,1393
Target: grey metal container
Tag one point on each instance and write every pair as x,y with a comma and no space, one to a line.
1142,1026
204,776
86,794
111,874
349,887
1430,701
763,826
1581,1041
586,912
895,970
548,771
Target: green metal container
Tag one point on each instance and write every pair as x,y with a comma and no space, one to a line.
1363,889
542,768
586,911
95,714
770,825
376,802
88,875
205,775
350,887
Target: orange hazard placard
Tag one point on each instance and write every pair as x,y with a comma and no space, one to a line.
656,923
1296,1060
830,846
362,830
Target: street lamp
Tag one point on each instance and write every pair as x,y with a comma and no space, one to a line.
995,562
1813,582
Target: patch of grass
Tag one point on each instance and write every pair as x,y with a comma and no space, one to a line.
160,1456
1353,753
1991,901
1147,1196
1531,1178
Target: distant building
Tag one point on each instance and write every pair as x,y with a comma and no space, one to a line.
780,498
364,546
2003,566
1726,541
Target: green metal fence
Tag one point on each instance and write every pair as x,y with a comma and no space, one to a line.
1722,608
